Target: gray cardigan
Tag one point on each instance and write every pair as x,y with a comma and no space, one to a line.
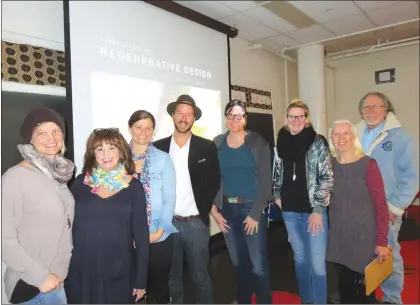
262,156
35,237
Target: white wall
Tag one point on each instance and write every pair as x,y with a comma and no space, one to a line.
355,76
38,23
263,70
34,22
330,92
292,87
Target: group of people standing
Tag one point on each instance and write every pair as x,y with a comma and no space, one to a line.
139,209
342,200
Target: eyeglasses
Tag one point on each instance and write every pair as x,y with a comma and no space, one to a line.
373,107
231,116
293,118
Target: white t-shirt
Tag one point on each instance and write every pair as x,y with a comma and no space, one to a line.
185,203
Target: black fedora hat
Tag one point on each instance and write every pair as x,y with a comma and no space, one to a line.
187,100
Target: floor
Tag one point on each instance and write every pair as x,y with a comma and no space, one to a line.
283,279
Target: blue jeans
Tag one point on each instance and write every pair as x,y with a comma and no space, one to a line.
309,255
57,296
393,285
193,240
248,254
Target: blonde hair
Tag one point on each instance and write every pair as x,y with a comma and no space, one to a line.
357,146
297,103
63,148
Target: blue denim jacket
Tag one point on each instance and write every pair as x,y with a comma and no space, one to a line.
395,152
162,191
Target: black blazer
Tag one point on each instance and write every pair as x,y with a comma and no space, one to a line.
203,165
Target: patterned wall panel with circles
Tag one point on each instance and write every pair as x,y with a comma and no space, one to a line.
253,102
28,64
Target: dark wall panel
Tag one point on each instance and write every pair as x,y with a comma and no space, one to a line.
14,107
262,123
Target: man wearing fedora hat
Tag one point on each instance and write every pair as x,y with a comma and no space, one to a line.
197,183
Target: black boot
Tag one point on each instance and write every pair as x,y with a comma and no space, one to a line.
362,298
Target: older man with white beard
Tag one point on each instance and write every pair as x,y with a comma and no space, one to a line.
384,139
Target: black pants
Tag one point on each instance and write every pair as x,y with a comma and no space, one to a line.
159,268
332,283
352,287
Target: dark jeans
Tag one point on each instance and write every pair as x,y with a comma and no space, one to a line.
159,268
248,254
352,287
193,240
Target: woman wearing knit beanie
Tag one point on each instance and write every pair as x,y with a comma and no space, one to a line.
37,213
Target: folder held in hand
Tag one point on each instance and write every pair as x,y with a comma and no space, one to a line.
377,272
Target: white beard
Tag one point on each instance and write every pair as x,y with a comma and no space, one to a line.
373,123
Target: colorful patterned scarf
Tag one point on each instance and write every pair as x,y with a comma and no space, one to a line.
145,177
113,180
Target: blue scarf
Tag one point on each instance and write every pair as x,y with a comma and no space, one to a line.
145,177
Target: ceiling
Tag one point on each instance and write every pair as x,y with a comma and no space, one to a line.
287,24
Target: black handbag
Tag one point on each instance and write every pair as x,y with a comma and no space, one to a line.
23,292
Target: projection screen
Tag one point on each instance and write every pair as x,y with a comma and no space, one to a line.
130,55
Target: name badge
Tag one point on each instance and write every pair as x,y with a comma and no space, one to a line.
233,200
